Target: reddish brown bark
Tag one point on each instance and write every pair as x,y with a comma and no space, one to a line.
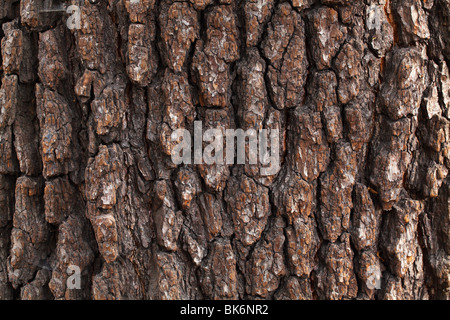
360,91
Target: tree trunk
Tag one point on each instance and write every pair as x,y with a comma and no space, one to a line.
92,205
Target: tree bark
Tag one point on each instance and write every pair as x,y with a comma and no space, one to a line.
360,94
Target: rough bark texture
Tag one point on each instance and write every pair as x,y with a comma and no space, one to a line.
360,91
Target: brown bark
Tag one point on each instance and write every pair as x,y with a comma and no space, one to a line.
360,91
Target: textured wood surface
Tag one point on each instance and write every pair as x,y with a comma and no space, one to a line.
360,93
